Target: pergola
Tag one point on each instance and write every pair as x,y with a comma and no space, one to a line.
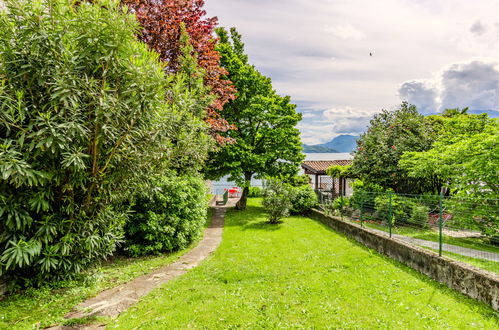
317,169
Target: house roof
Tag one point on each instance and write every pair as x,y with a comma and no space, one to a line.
320,166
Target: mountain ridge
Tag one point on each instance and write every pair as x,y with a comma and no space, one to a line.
340,144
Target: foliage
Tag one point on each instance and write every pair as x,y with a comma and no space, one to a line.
390,134
466,155
341,204
402,209
267,141
168,217
161,23
419,215
255,192
364,194
259,273
303,198
84,121
475,214
276,200
295,180
337,171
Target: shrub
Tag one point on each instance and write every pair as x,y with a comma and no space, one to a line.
276,200
364,195
303,199
255,192
403,209
419,215
84,120
167,218
341,204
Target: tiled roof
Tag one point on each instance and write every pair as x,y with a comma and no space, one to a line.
320,166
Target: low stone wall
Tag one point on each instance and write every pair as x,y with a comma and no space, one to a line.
476,283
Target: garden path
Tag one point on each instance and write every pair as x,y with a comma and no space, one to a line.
112,302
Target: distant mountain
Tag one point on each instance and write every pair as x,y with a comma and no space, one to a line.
317,149
341,143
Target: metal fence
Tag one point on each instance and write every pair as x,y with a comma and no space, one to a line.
465,229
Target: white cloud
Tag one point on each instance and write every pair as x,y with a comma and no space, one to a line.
346,32
421,93
294,42
473,84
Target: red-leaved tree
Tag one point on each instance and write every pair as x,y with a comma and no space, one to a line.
161,20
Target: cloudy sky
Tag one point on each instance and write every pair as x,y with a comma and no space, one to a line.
433,53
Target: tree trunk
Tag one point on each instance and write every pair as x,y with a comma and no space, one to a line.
241,204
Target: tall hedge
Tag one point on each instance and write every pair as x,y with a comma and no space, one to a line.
83,119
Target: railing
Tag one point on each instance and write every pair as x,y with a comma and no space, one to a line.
463,228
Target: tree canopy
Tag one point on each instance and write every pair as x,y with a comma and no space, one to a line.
465,155
389,135
267,142
161,23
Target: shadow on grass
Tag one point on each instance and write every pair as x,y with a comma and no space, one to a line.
262,225
252,218
456,296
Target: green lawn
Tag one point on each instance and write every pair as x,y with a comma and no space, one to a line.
300,274
47,306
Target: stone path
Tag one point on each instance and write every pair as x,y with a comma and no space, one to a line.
114,301
467,252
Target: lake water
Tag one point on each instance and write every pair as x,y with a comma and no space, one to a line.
224,183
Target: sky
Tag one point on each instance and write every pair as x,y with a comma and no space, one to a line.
435,54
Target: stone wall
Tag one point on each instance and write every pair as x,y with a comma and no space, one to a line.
478,284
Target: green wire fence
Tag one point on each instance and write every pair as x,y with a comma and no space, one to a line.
463,228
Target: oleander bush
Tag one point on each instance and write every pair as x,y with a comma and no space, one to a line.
84,120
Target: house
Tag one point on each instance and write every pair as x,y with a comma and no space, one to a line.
321,182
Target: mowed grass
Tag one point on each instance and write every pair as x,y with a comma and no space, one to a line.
300,274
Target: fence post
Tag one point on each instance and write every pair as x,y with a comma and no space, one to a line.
361,210
390,213
440,224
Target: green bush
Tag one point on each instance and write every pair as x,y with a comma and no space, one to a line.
341,204
419,215
276,200
167,218
255,192
303,199
84,121
404,210
364,195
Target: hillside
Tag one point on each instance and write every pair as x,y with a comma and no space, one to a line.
341,143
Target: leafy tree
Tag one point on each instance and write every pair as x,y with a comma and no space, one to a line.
267,140
84,121
465,155
390,134
161,23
